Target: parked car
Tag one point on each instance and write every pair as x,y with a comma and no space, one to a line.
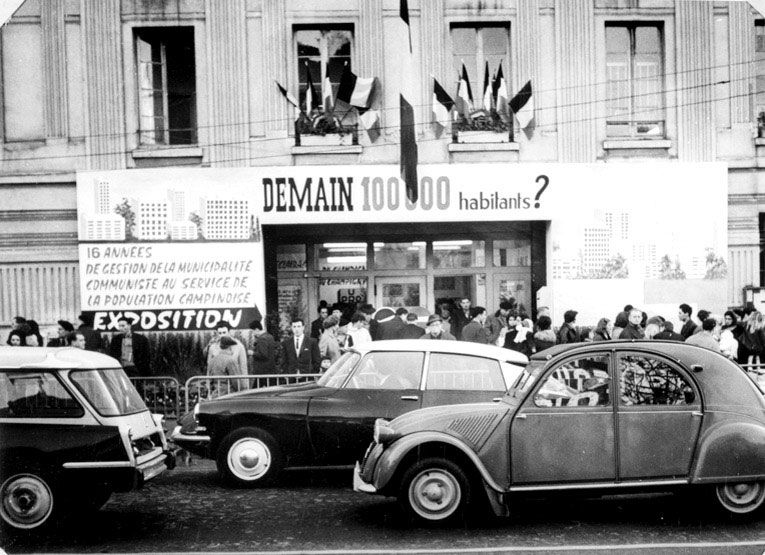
73,429
255,434
597,417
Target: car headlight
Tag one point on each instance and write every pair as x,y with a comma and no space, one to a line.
383,432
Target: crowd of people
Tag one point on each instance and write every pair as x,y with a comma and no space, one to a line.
737,334
313,347
131,349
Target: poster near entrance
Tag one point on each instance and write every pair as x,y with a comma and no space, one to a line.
407,292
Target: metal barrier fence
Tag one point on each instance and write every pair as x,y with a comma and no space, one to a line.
162,394
203,388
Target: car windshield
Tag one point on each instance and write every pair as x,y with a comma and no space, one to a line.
337,373
109,391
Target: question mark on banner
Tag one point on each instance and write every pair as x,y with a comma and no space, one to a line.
542,189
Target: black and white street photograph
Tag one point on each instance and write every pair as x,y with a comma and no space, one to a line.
382,276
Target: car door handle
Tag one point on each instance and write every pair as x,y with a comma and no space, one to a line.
521,417
697,413
410,398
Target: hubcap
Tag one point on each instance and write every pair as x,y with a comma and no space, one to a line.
26,501
741,498
249,459
435,494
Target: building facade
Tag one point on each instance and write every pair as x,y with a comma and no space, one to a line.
123,85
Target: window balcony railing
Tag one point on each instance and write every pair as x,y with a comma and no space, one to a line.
324,129
482,122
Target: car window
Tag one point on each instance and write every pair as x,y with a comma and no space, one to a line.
109,391
578,382
35,395
339,370
511,372
647,380
453,371
388,370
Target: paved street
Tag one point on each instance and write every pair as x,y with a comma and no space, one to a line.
188,510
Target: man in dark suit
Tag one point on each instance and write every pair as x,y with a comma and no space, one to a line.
301,353
412,330
393,328
689,326
131,349
263,350
461,318
317,326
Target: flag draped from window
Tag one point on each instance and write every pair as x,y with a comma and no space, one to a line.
288,95
353,90
442,104
408,149
311,99
403,12
522,105
499,91
464,101
487,92
370,121
326,95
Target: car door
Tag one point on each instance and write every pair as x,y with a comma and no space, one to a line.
564,430
658,418
454,378
385,384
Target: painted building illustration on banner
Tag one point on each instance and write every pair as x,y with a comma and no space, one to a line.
618,244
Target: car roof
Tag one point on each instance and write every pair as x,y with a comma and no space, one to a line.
723,381
444,346
54,357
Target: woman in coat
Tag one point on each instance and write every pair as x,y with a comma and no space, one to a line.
602,330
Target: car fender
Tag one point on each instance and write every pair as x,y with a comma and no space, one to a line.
390,459
731,450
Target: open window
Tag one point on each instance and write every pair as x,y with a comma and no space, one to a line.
166,85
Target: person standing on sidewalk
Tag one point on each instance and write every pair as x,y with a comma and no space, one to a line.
131,349
474,331
263,350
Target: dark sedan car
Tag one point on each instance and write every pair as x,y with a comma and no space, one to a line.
596,417
252,435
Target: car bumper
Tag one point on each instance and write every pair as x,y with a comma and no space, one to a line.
359,484
194,443
122,475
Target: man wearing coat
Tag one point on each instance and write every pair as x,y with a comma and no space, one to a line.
301,353
131,349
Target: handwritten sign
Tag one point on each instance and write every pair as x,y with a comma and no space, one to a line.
181,281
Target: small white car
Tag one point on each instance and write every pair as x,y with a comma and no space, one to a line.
73,429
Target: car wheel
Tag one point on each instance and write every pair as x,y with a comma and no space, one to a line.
26,500
434,490
249,457
741,498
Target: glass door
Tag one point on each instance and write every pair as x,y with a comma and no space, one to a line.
406,291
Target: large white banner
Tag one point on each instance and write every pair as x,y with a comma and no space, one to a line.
608,221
